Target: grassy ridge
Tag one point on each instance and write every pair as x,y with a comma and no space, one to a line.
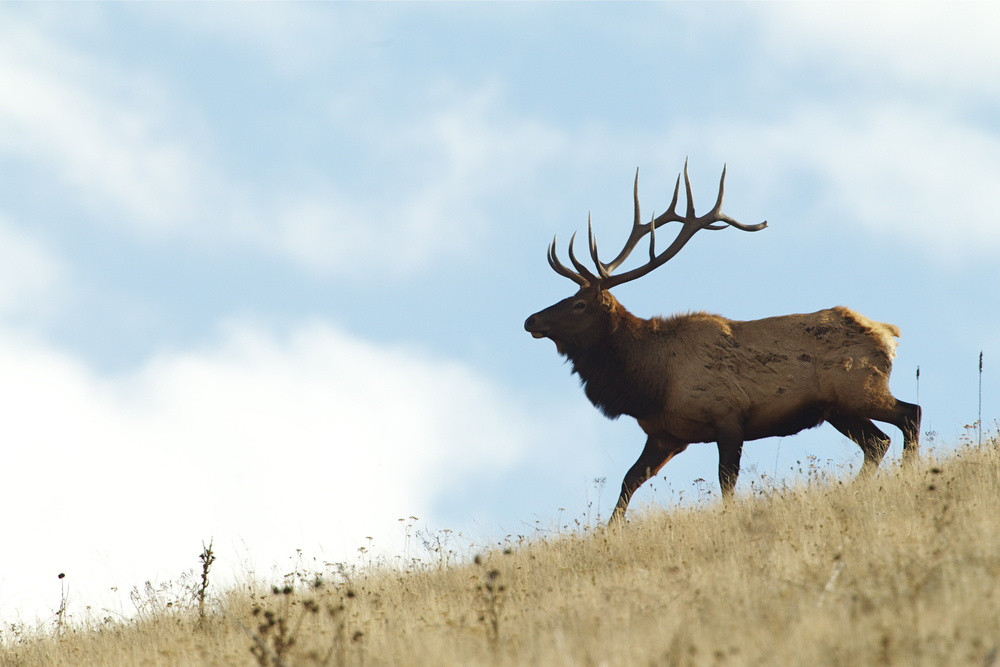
900,570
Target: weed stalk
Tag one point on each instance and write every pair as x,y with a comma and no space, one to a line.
207,557
979,421
63,604
491,592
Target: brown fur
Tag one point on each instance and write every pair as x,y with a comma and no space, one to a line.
705,378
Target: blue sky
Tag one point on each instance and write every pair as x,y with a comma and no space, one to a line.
264,267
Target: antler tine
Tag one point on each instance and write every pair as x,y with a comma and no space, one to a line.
670,215
715,220
601,268
739,225
687,188
652,236
717,214
558,267
691,225
635,235
717,209
635,198
584,271
673,200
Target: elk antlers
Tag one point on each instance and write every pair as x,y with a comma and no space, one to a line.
691,225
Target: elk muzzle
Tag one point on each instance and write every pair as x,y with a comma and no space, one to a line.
532,326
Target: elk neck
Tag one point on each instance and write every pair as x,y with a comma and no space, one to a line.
615,371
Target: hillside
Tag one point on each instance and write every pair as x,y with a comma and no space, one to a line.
900,570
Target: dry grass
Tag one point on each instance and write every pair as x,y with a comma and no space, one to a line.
900,570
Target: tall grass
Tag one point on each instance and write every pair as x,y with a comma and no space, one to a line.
902,569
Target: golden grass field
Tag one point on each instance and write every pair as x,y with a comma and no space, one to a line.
901,570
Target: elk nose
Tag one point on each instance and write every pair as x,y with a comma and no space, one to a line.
529,323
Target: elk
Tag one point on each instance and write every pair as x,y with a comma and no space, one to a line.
701,377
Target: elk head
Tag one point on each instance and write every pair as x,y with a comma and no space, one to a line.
582,320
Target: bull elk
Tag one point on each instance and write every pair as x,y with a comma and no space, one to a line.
705,378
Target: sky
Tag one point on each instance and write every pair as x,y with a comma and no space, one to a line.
264,267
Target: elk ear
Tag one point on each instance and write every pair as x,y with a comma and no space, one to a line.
605,299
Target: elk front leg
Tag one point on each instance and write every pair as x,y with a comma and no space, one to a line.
654,456
730,442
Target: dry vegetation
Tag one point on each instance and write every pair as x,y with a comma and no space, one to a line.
900,570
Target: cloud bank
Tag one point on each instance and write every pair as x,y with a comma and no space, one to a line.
267,442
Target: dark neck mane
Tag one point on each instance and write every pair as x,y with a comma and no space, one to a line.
613,373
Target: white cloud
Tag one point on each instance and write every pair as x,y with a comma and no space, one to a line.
293,38
30,277
106,133
908,174
310,440
886,106
440,170
123,146
939,47
916,177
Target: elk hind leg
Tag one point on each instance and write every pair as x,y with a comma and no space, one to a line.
870,438
911,428
906,417
654,456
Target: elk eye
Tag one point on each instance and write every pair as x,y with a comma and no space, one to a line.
579,306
